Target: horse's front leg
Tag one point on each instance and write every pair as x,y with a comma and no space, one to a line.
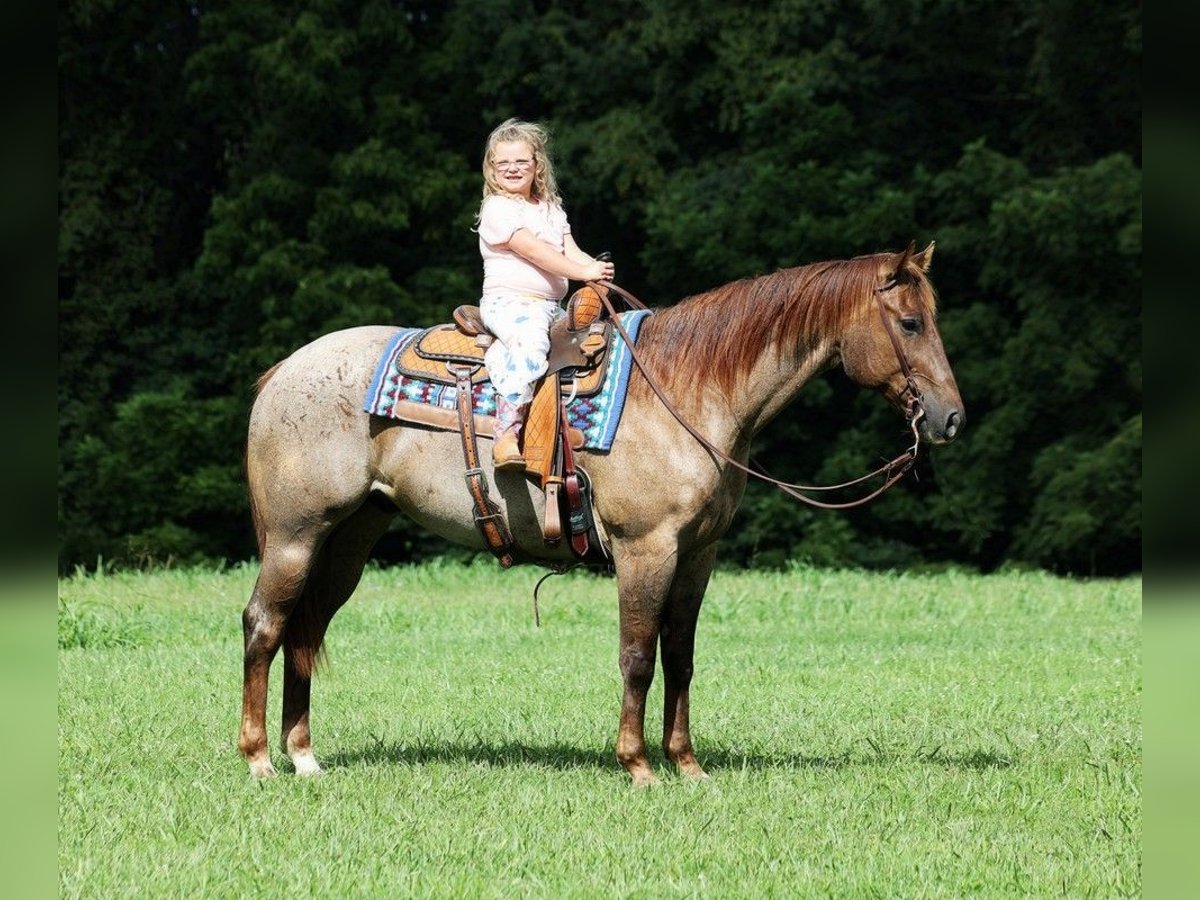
678,648
644,575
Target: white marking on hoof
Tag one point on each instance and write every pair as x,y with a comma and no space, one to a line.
262,768
306,764
646,779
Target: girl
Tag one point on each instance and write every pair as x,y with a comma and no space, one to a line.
528,256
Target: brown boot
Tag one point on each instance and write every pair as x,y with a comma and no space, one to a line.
506,454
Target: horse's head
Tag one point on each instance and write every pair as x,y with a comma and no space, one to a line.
904,302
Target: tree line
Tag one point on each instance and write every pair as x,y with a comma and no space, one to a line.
237,178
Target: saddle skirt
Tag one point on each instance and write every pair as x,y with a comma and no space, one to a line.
431,356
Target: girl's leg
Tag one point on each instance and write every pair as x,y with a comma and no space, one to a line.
518,358
510,416
506,450
514,362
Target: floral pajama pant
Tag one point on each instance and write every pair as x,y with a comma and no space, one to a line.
518,358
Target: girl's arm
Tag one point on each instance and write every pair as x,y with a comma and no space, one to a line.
571,250
580,267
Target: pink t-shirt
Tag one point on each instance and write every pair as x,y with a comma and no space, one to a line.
504,270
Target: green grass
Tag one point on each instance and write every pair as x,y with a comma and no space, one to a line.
868,736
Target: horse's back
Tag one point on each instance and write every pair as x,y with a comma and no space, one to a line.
345,354
319,386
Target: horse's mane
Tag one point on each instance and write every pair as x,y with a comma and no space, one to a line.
719,335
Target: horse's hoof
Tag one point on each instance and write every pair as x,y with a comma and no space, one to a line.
260,769
306,765
644,779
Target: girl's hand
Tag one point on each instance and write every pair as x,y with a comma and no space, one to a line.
598,271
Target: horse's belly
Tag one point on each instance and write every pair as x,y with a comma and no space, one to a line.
422,472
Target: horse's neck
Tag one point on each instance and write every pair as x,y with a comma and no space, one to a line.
731,418
773,383
767,379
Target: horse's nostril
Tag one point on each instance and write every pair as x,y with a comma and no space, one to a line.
952,423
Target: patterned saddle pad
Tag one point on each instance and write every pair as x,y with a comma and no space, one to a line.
412,370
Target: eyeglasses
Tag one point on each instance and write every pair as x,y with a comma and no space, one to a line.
519,164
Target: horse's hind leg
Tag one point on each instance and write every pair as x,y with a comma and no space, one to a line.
281,580
334,577
678,638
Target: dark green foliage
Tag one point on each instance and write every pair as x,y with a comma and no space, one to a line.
239,178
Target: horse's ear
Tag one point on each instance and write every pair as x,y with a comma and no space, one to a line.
899,262
925,257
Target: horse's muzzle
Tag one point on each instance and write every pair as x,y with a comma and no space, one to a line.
942,427
954,422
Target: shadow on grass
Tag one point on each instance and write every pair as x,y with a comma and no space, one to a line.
568,757
507,754
728,760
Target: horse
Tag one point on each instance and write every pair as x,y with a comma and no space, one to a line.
325,478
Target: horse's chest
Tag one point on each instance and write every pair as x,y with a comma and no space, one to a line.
641,498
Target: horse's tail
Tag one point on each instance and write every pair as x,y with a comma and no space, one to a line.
304,635
265,377
260,534
260,530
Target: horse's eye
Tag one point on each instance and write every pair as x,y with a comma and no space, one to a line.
911,324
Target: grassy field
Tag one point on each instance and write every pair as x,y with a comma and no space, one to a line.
868,736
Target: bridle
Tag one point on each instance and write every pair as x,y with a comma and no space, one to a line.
914,409
891,471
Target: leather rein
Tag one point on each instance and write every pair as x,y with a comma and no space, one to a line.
892,471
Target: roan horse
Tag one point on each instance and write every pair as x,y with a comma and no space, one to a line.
326,479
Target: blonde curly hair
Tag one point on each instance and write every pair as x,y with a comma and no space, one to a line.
538,139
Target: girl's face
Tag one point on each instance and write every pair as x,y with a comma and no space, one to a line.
513,163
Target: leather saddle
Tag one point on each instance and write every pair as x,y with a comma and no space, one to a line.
579,344
578,362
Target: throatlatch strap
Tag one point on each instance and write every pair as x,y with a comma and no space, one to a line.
488,517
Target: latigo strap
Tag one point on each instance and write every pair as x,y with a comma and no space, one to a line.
579,514
488,517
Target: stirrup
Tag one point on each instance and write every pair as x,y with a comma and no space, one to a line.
506,455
